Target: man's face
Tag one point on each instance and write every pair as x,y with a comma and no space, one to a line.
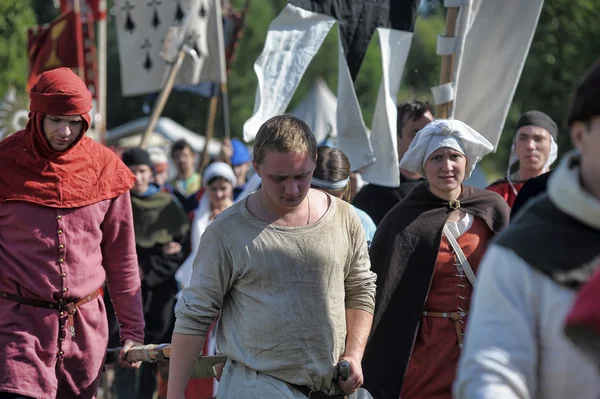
286,177
586,138
62,131
143,177
409,131
532,145
184,161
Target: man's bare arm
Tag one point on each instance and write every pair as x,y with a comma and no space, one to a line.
185,350
358,325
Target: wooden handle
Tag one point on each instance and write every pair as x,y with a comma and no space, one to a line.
447,61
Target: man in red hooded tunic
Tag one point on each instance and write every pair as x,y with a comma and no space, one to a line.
65,227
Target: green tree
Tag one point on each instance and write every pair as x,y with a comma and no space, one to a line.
15,17
564,46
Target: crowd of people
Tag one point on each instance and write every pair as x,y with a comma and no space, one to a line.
433,289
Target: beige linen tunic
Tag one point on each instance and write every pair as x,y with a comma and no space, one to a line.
282,293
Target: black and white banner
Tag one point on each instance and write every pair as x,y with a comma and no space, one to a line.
142,27
293,40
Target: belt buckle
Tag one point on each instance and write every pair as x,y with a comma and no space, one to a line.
68,307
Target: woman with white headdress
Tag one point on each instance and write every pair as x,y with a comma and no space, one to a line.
218,184
425,253
219,181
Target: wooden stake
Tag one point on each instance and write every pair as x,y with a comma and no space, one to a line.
210,127
447,61
102,67
162,99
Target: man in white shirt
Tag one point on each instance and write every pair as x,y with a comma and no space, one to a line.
288,272
515,345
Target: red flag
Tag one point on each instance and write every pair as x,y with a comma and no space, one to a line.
58,44
87,7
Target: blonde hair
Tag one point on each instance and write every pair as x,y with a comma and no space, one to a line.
284,133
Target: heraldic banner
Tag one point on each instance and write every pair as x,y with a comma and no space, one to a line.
58,44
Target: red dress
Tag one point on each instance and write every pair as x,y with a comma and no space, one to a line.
432,366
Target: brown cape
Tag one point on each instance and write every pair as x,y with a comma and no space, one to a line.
403,254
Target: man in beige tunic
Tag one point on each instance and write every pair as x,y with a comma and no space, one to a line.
288,271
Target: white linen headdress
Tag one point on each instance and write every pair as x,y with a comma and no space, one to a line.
441,133
220,169
202,218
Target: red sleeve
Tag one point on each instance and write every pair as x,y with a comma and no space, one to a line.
586,312
500,189
122,270
506,191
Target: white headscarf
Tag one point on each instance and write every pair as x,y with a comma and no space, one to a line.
445,133
202,218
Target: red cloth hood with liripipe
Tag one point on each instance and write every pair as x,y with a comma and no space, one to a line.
84,174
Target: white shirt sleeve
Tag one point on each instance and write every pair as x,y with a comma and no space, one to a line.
500,355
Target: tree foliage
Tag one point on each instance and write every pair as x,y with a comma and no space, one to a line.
15,17
564,47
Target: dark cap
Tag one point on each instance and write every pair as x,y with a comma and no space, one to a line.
537,118
137,156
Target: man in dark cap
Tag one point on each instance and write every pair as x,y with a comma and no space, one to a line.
161,228
534,148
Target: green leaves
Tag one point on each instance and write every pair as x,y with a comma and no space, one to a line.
15,17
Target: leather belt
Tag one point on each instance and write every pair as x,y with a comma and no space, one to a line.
61,306
456,317
309,393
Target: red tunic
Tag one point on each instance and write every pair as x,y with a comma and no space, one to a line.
50,254
505,190
435,354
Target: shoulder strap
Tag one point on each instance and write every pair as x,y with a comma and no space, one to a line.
464,263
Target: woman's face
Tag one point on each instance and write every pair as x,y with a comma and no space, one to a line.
445,171
220,192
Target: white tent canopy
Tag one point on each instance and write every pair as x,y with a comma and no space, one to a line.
166,132
318,110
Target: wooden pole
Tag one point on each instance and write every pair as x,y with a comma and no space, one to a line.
162,98
102,68
225,105
210,129
81,62
447,60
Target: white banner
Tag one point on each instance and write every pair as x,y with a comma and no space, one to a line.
142,26
494,39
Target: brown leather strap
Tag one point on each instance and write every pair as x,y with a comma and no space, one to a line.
309,393
69,307
456,317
